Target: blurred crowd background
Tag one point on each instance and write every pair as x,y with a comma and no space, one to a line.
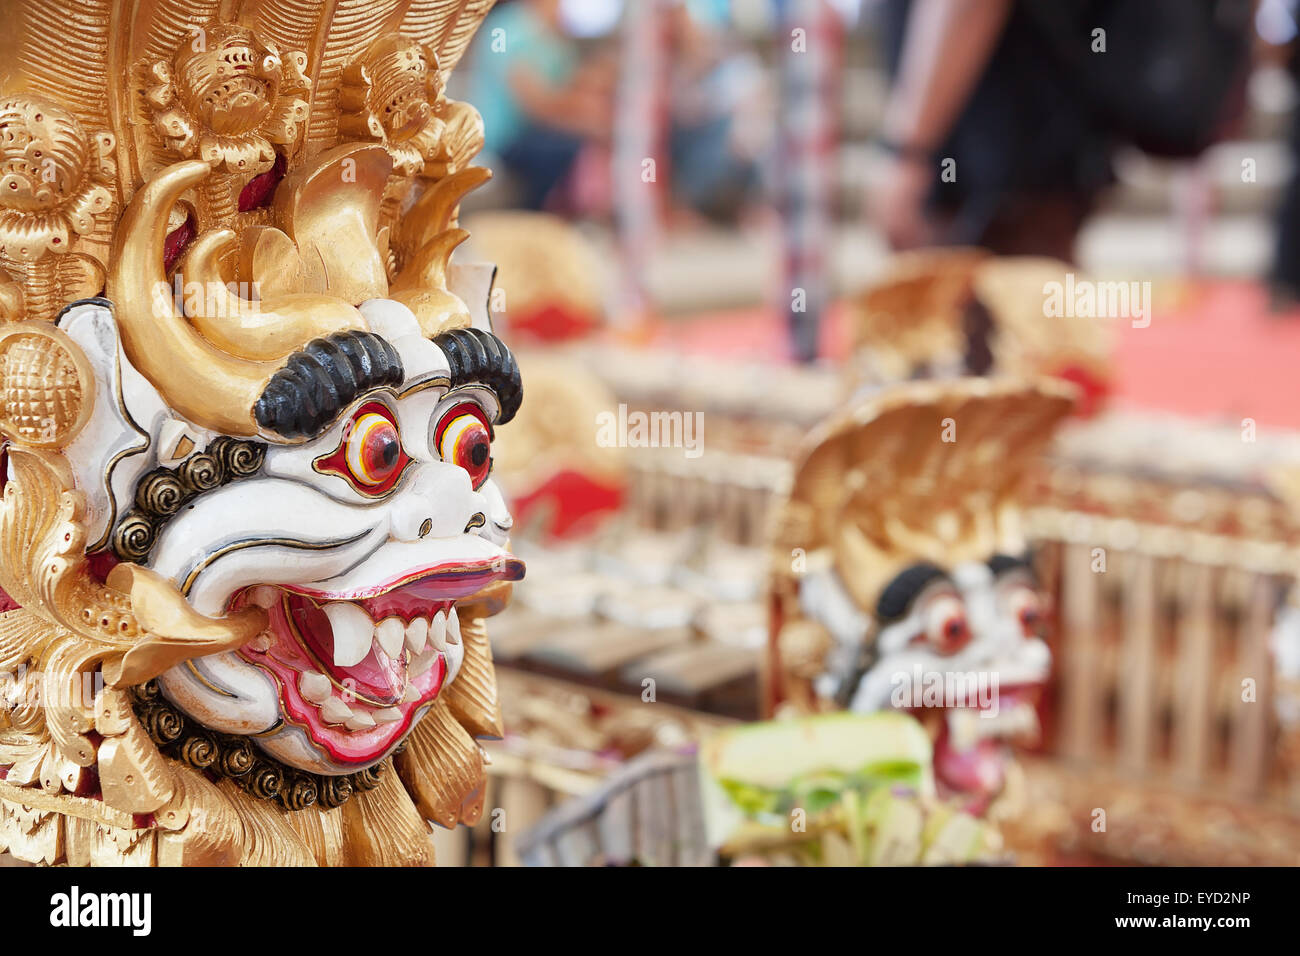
734,208
765,137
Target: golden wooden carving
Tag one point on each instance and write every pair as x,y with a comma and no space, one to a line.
127,128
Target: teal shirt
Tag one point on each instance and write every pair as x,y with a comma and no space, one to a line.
513,36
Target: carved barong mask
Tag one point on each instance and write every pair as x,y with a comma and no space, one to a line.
904,514
247,461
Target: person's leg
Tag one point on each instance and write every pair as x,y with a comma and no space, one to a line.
1025,225
539,158
706,173
1284,274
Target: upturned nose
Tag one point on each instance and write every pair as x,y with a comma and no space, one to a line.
440,503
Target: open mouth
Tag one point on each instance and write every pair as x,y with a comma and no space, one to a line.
971,753
1011,716
355,667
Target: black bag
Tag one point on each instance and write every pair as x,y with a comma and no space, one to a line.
1173,74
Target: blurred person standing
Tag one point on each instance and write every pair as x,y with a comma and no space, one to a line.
715,130
541,101
1284,273
1003,113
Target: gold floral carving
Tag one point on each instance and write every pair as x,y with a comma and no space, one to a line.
56,182
128,129
393,94
388,97
472,697
230,100
71,632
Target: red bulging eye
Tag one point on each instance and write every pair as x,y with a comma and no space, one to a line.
464,440
1028,611
946,628
374,450
953,634
371,456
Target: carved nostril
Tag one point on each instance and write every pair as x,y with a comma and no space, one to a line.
426,527
477,520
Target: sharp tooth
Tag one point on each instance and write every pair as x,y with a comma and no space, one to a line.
262,643
417,635
963,729
422,663
314,687
453,627
438,631
411,695
388,715
335,711
390,634
455,655
352,633
360,721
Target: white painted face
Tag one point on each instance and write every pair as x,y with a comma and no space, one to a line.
1006,613
972,622
358,543
1285,645
967,646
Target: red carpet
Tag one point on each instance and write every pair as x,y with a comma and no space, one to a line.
1221,356
1212,351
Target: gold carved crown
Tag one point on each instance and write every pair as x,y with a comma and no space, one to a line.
290,159
259,150
912,315
921,471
